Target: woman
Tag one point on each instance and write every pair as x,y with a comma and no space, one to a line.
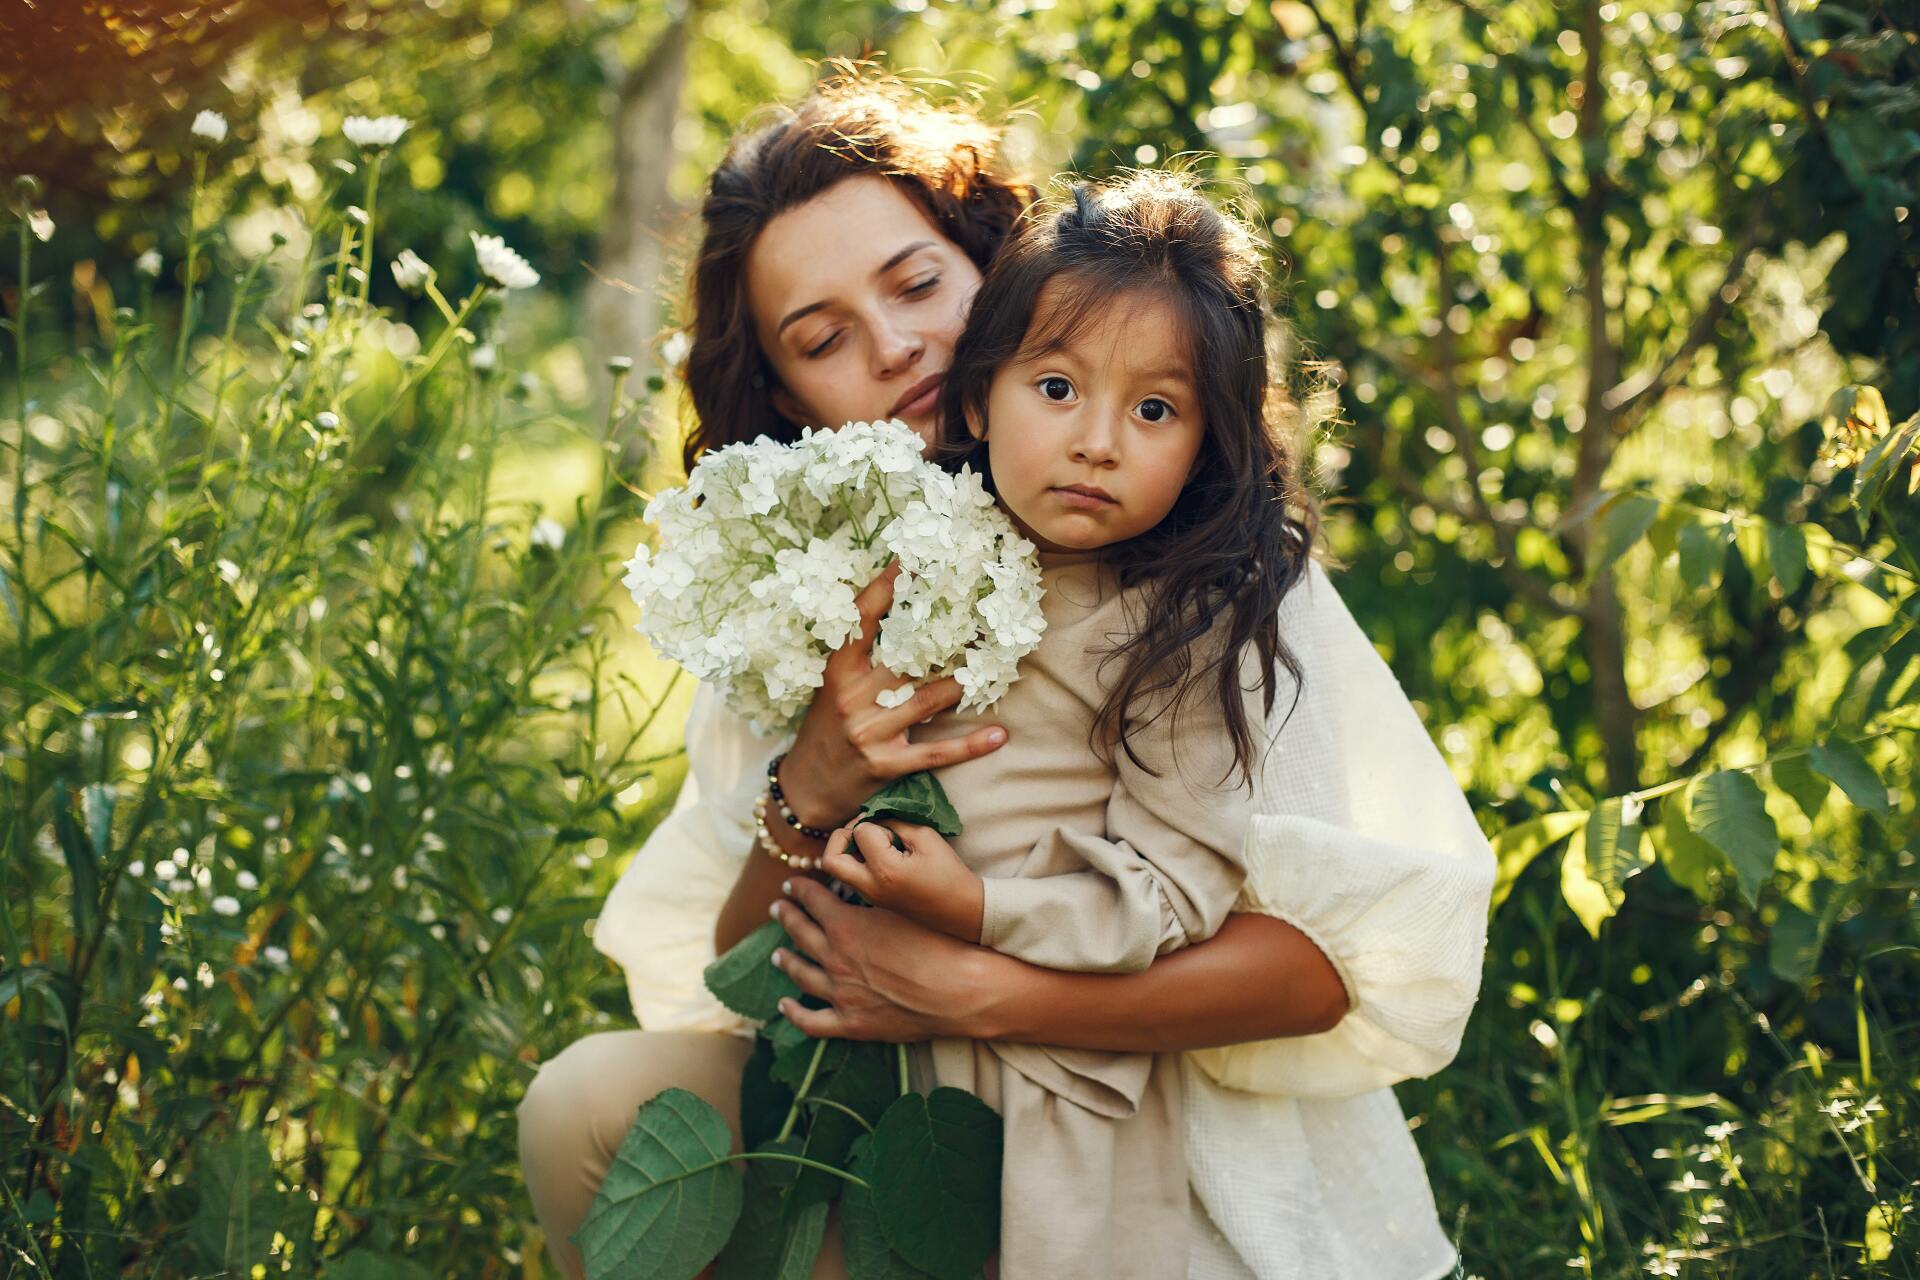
842,246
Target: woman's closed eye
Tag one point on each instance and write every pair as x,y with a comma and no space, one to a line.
920,288
823,346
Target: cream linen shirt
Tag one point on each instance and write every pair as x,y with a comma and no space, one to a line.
1299,1162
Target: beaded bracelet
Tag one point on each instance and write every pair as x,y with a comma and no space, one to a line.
786,810
764,839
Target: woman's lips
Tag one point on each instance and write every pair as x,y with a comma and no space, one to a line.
919,400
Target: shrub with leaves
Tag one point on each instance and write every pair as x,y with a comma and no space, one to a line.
310,746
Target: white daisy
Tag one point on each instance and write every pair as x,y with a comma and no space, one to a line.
148,264
411,272
210,127
374,133
502,267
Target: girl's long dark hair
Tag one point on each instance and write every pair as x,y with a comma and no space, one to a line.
859,120
1241,532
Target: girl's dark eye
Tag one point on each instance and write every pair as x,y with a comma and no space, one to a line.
1154,409
1056,388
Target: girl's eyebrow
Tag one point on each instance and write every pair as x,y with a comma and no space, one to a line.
801,313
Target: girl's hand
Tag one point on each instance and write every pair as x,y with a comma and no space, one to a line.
925,881
849,746
885,977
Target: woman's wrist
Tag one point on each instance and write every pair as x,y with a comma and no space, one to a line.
808,795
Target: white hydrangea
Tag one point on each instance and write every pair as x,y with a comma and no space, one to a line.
763,551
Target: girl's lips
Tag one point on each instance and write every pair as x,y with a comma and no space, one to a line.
1083,501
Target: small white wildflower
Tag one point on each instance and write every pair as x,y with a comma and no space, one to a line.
148,264
548,533
1721,1132
485,358
502,914
619,364
165,870
326,420
136,868
210,127
1688,1182
374,133
41,224
226,905
411,272
674,350
502,267
247,880
274,955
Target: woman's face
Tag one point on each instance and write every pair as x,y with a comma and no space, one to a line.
858,300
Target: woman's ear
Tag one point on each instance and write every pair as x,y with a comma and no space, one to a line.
787,407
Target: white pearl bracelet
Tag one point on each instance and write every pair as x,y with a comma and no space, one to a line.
764,838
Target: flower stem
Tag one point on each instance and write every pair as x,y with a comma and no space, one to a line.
366,247
905,1087
433,359
186,297
806,1083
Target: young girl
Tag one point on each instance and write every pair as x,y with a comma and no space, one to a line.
1112,385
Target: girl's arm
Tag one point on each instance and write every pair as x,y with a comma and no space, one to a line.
887,978
847,748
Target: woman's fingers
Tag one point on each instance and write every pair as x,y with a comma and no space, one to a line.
806,934
927,701
935,755
821,1024
806,975
873,602
822,905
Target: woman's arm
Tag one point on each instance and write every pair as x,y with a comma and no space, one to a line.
847,748
887,978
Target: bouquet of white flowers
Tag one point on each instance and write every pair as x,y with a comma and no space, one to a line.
764,549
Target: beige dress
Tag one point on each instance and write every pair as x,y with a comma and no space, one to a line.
1092,865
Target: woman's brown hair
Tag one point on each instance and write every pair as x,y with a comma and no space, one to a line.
858,121
1239,536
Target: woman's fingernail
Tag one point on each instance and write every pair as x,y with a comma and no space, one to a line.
786,886
996,736
773,909
778,958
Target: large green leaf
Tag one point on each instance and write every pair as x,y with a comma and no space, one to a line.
1585,894
868,1255
668,1204
1690,860
745,980
764,1101
1728,810
861,1082
242,1207
1795,776
1627,519
936,1181
1787,552
1614,847
1517,847
1843,762
1703,550
83,863
918,798
768,1242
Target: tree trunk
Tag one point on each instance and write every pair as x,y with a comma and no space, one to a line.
623,306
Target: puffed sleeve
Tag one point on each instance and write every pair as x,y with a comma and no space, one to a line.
657,924
1364,842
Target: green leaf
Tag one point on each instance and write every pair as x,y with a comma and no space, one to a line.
869,1256
1794,947
1690,860
1703,550
668,1204
82,862
1517,847
745,980
936,1181
1628,517
1585,894
918,798
241,1205
1843,762
764,1101
1729,812
862,1082
1795,776
365,1264
768,1243
97,800
1613,847
1787,552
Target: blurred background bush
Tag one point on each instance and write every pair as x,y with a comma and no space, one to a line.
324,735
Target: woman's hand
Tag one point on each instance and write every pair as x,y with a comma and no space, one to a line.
849,746
885,977
920,876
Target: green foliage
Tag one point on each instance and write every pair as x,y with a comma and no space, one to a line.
671,1197
935,1177
917,798
745,980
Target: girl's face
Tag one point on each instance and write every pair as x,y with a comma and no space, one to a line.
1090,443
857,300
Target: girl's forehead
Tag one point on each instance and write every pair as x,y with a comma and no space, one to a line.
1136,329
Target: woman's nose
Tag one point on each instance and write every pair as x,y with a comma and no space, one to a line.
895,349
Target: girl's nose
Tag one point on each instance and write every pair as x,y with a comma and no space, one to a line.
1098,441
